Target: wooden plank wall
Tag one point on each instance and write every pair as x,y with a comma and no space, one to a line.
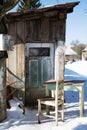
16,64
39,29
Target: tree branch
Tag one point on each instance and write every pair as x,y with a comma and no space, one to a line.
8,5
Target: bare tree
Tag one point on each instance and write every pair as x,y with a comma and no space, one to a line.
78,47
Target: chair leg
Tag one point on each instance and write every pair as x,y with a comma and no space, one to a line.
39,111
62,113
56,115
47,110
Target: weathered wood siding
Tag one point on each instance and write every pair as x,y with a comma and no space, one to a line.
46,30
43,29
11,64
16,67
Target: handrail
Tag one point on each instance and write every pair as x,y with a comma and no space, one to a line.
14,75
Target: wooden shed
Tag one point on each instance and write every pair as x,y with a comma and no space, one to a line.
38,33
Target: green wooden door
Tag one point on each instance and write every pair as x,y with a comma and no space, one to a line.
40,70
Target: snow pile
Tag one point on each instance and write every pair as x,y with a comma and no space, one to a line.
17,121
79,67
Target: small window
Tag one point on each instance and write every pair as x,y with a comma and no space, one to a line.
39,51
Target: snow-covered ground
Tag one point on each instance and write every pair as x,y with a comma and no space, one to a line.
17,121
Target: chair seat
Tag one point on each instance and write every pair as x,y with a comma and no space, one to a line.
50,101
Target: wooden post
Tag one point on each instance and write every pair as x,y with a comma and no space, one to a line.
81,98
56,103
3,107
59,73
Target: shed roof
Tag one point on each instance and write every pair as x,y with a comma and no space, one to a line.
68,7
69,51
85,50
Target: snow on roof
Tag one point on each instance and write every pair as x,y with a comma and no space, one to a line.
85,49
69,51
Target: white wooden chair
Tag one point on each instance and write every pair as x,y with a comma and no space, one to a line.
56,102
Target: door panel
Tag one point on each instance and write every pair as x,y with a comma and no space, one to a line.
33,72
40,70
46,67
40,64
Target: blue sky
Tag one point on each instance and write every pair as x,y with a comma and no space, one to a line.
76,23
